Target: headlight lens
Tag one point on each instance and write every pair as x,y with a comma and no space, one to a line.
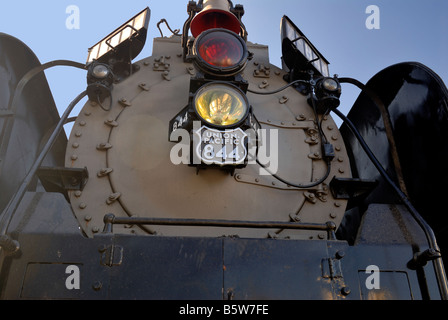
330,84
221,104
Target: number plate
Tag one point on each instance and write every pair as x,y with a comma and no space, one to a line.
226,147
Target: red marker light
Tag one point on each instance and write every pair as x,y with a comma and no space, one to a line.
221,49
220,52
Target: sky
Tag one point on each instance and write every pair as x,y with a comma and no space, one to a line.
357,42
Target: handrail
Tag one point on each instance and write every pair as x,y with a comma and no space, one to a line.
111,219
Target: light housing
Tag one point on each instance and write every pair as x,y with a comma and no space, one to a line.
220,52
100,79
221,105
215,14
327,91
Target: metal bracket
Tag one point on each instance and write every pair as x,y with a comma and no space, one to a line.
347,188
6,113
62,179
262,71
111,255
331,268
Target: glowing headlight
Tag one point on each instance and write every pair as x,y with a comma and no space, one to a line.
221,104
220,52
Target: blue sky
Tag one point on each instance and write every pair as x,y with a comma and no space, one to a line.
410,30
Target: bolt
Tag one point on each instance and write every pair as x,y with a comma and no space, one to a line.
345,291
340,254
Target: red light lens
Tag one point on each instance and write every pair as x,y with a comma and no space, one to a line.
221,49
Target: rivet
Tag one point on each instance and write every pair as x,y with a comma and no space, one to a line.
330,127
78,134
87,217
334,137
341,170
82,205
340,159
82,123
87,113
78,193
337,148
333,215
97,285
337,204
75,145
95,229
257,180
321,236
74,157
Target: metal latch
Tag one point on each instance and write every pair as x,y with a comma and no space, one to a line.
111,255
331,267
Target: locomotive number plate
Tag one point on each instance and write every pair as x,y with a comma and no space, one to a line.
226,147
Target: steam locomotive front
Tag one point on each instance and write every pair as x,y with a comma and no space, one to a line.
206,129
206,172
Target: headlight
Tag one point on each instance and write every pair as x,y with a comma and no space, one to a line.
221,104
328,92
220,52
330,84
